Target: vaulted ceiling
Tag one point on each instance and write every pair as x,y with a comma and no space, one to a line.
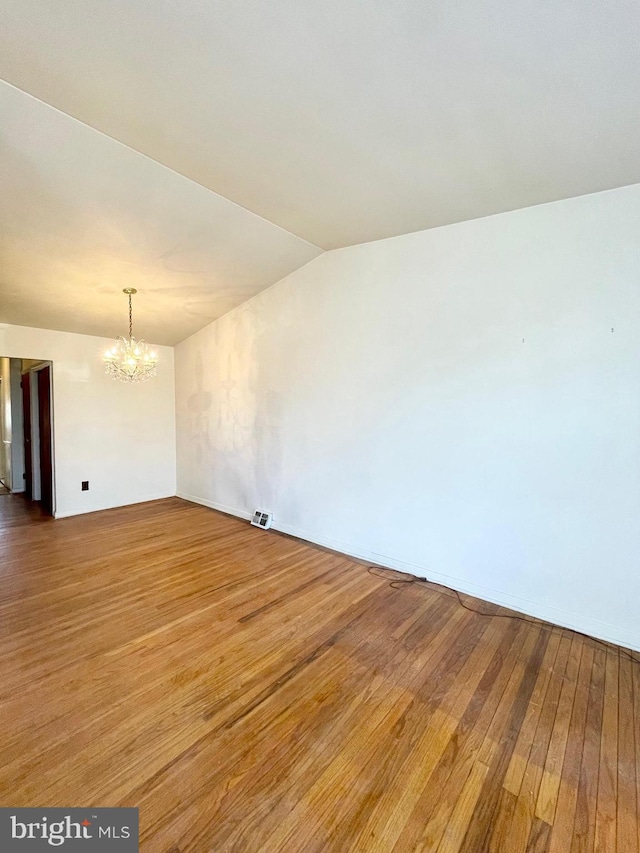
200,151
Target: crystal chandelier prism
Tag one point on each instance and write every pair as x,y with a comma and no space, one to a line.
130,360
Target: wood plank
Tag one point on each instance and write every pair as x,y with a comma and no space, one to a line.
502,821
627,814
585,815
386,823
550,782
606,825
519,833
462,814
453,761
479,831
636,728
539,837
485,742
519,759
561,835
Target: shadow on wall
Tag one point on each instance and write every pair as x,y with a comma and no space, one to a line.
234,430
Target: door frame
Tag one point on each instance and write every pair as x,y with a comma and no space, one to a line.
25,385
35,427
45,431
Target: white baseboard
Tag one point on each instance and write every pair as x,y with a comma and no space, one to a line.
67,513
563,618
229,510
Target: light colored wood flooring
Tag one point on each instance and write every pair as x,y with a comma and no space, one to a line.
249,692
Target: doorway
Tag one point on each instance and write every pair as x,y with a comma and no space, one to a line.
26,431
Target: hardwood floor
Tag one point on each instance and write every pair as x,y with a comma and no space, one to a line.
16,511
249,692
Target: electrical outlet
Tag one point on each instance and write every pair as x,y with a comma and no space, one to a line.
85,485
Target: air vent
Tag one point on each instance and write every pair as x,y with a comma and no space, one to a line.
262,519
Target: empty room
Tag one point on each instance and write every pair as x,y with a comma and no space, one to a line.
319,426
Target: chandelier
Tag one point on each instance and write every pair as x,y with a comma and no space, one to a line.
130,360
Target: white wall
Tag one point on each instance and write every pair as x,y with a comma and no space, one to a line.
462,402
119,437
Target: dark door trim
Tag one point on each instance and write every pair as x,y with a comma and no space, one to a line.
25,383
46,433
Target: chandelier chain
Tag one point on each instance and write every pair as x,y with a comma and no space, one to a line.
130,319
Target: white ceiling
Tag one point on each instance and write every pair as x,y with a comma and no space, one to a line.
339,121
82,216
